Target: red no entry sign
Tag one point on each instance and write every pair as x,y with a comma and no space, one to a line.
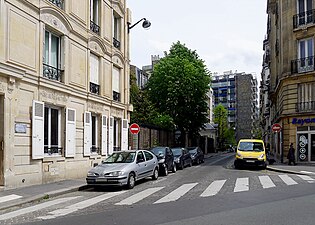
276,127
134,128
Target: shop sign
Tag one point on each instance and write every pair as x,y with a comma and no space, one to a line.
303,121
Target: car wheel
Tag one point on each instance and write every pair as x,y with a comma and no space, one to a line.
174,168
165,170
131,181
190,163
155,174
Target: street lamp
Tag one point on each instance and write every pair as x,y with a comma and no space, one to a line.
146,24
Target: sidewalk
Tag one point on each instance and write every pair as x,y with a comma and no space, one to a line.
300,168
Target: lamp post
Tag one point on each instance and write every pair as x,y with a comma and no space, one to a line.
146,24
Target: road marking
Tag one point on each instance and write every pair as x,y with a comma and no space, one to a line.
79,205
35,208
306,178
307,172
9,198
242,184
288,180
266,182
177,193
139,196
213,188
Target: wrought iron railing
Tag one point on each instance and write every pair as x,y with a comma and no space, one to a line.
51,72
94,27
116,148
53,150
305,106
58,3
116,43
304,18
94,88
302,65
116,96
95,150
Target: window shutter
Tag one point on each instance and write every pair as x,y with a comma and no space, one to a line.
87,133
104,135
94,69
38,130
124,135
111,135
70,132
115,82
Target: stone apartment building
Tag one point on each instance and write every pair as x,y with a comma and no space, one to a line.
289,58
64,87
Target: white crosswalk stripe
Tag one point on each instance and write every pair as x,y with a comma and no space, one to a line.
9,198
176,194
79,205
266,182
242,184
306,178
35,208
139,196
287,180
213,188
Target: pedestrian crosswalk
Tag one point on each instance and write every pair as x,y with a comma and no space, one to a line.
155,195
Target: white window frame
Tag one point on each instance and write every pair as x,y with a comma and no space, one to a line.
94,11
94,69
306,61
49,44
116,26
96,130
116,79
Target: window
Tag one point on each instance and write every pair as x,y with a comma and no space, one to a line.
58,3
306,97
51,65
140,157
52,129
306,55
148,156
95,132
304,11
117,134
116,84
116,30
94,74
94,13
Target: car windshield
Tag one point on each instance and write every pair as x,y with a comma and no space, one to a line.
193,151
121,157
177,151
158,150
251,146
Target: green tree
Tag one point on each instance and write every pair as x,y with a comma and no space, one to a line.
221,118
178,88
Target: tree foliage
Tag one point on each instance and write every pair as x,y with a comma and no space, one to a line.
178,88
221,118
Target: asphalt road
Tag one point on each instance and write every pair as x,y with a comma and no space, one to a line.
211,193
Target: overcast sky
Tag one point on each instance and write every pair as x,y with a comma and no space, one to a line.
227,34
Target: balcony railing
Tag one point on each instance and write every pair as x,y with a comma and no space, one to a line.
116,148
95,150
304,18
94,88
51,72
302,65
305,106
94,27
116,96
52,150
58,3
116,43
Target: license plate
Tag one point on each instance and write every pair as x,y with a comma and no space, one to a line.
250,161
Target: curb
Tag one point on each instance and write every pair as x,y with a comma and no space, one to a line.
285,171
44,196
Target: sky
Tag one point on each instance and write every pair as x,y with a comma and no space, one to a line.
226,34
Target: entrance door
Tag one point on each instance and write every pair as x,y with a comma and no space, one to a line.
1,140
312,147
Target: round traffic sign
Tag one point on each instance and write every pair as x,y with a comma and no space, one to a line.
276,127
134,128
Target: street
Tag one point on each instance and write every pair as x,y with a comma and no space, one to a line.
211,193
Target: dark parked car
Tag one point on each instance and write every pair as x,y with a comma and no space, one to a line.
196,154
182,157
165,158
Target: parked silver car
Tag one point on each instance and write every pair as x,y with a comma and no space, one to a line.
124,168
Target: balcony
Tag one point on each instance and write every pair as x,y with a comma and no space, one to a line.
305,106
58,3
94,27
54,150
116,96
94,88
116,43
302,65
51,72
303,18
95,150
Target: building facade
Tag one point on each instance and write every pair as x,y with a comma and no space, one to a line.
290,37
64,87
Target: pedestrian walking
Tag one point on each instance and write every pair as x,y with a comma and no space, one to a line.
291,156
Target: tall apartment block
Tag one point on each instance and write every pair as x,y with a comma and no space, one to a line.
64,87
289,60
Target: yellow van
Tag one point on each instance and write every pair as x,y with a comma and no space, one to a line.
250,152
